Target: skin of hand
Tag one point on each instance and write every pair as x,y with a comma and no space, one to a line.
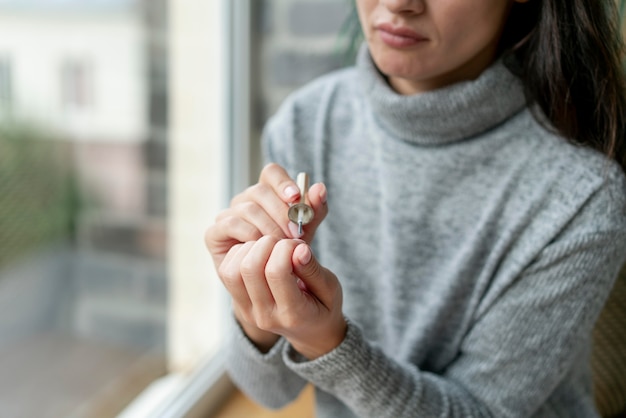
259,211
278,287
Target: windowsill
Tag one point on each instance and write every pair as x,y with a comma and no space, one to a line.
176,395
238,405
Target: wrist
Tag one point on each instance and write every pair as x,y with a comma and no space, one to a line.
262,340
321,344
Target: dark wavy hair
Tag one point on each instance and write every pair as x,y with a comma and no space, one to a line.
570,55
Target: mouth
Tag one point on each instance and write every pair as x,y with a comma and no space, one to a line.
398,36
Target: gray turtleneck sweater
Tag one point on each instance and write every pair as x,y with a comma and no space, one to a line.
474,247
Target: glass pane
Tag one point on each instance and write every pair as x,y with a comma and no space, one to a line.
83,204
295,42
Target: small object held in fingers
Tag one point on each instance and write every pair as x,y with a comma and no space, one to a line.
300,213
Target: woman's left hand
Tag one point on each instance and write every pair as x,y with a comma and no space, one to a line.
291,294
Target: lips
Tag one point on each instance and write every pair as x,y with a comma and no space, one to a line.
398,36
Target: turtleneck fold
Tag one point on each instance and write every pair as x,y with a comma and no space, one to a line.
445,115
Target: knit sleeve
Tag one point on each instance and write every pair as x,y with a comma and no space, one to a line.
514,357
263,377
520,350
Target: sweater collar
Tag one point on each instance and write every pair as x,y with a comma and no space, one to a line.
446,115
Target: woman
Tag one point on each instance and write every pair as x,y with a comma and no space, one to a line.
473,206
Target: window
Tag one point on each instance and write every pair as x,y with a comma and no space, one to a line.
77,83
124,147
105,287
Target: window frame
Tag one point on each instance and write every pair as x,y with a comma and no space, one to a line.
204,390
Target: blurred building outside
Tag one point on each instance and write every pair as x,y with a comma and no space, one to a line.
93,75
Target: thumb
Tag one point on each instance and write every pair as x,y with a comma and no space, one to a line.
319,281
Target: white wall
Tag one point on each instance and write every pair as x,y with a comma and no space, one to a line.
38,45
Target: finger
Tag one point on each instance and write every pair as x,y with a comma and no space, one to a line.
253,274
279,180
261,200
230,275
229,231
232,227
318,280
317,199
256,215
280,276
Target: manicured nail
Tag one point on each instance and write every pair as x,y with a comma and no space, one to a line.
293,228
304,255
291,192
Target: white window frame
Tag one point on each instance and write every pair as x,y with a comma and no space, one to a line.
203,389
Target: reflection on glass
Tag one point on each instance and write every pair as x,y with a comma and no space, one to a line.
83,278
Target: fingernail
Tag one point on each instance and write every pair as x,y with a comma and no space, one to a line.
305,254
291,192
293,228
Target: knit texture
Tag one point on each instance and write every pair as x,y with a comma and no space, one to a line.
475,250
608,358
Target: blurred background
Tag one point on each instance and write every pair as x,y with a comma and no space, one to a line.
125,126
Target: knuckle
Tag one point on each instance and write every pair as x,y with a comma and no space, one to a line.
230,221
273,272
248,207
229,277
247,268
269,240
278,266
275,231
263,319
252,189
244,196
247,316
262,189
269,167
290,320
286,244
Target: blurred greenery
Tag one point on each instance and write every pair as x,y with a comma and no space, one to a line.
39,197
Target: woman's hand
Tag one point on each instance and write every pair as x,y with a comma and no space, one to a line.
261,210
279,288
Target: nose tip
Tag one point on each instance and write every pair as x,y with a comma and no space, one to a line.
404,6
